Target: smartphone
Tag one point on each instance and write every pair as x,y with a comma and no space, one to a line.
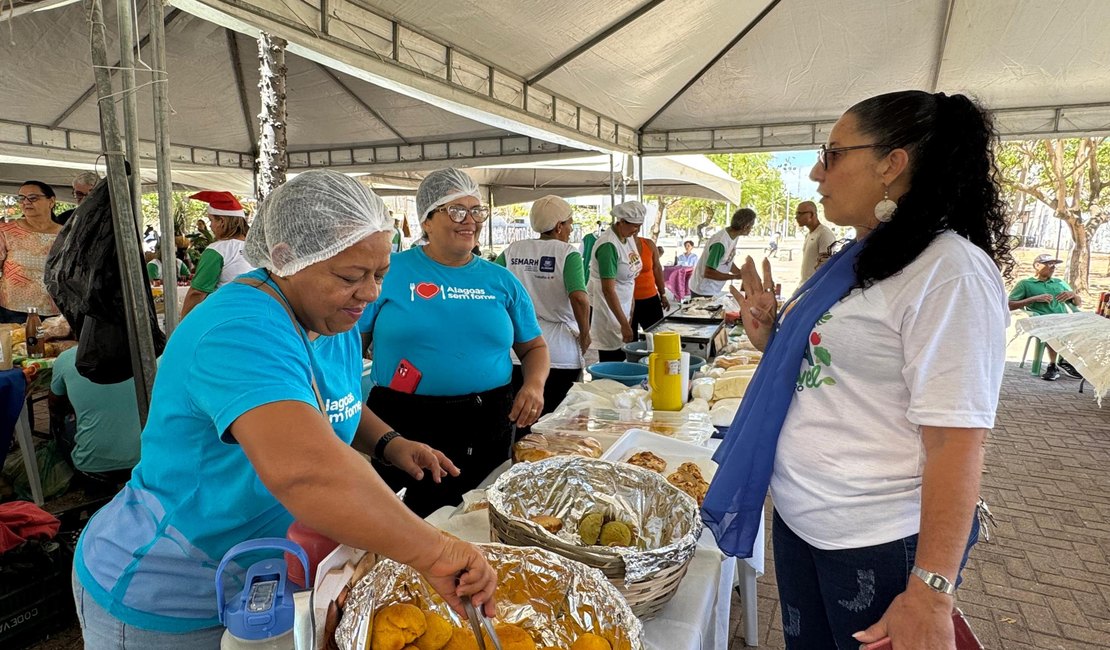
405,378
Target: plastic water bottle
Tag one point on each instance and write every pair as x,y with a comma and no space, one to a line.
260,617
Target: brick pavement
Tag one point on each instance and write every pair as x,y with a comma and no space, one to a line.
1043,581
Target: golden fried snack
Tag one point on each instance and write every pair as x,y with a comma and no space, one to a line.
548,523
396,626
513,637
461,639
437,634
589,528
690,468
615,533
648,460
690,483
590,641
531,455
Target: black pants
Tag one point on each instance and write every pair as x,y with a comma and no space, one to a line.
559,381
647,312
472,430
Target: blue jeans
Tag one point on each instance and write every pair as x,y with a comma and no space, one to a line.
826,596
102,631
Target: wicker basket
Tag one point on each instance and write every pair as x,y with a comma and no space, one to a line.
645,596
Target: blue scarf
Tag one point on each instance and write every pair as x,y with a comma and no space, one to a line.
734,503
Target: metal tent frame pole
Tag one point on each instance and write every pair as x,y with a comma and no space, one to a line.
132,273
161,91
126,23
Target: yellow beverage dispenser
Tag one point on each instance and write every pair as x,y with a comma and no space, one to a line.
666,375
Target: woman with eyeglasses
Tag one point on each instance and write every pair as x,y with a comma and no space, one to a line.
441,333
24,245
879,382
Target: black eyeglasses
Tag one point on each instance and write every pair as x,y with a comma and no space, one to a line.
79,195
824,151
30,198
458,212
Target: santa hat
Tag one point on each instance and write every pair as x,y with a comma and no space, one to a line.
221,204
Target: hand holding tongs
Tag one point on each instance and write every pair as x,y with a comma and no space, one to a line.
478,622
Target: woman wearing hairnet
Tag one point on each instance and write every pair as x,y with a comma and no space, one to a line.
254,415
615,262
441,334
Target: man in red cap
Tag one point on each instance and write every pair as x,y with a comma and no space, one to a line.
223,260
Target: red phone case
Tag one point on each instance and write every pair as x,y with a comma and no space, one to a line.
405,378
965,638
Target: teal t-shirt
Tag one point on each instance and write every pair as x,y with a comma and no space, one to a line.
1030,287
149,557
107,437
456,325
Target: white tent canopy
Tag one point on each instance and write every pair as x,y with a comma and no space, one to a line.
690,175
705,75
378,86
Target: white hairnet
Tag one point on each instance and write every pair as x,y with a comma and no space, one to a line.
441,187
630,211
313,217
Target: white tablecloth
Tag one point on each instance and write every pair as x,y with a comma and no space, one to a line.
1082,338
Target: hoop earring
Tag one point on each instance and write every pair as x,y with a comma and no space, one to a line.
884,210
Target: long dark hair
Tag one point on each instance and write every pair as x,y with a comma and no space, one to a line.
953,182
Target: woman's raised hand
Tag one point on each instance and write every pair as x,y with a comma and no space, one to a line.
758,305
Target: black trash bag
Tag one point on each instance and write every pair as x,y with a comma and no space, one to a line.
83,277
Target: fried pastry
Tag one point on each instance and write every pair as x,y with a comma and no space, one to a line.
461,639
548,523
512,637
689,479
396,626
590,641
648,460
436,634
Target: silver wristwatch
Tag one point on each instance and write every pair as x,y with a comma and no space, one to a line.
935,581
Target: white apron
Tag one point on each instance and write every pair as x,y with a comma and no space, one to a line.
538,264
605,329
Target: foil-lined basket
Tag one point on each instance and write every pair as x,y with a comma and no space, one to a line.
666,522
553,598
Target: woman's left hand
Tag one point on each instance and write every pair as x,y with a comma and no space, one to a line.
527,406
918,619
414,458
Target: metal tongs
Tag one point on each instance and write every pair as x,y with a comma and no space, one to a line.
479,622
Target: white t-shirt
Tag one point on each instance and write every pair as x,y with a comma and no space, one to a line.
925,347
235,263
539,264
703,286
817,243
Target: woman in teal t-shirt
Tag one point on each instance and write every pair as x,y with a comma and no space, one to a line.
254,414
442,331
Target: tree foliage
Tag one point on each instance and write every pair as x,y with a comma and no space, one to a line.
761,188
1070,177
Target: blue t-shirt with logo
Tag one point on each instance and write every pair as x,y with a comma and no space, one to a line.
149,557
455,324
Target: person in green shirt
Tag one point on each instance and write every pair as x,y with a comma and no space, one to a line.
1044,294
154,266
587,247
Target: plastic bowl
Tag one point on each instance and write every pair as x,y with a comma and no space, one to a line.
635,351
629,374
696,363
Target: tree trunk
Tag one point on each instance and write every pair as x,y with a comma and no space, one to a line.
273,158
662,208
1079,265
